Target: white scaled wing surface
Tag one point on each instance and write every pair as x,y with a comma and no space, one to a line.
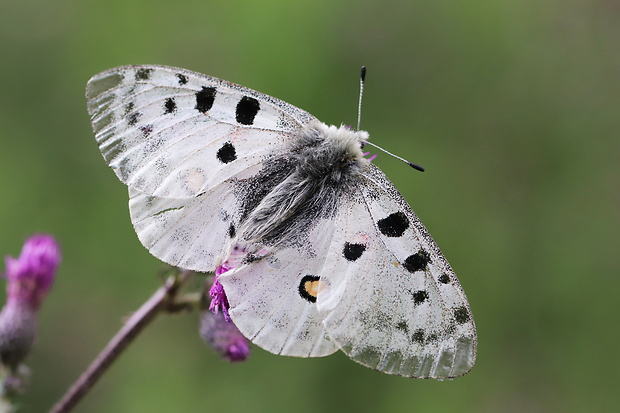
177,139
390,299
272,301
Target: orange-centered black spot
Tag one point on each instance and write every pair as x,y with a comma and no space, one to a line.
309,287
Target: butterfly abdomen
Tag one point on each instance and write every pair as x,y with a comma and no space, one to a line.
325,164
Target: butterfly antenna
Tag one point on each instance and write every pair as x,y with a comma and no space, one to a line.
411,164
359,118
359,105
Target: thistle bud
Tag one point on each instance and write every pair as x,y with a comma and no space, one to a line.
29,278
223,336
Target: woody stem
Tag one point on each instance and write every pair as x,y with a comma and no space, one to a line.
130,330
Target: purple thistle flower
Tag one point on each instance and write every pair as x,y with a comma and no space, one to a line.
219,301
216,326
223,336
29,278
31,275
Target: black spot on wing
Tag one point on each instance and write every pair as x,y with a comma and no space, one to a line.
432,338
394,225
402,326
417,262
129,108
182,79
246,111
132,118
418,336
170,105
205,98
231,231
227,153
146,130
419,297
461,314
444,278
143,74
353,251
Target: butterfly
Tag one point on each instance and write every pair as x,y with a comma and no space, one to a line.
322,252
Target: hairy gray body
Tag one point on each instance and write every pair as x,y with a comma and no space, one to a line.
324,165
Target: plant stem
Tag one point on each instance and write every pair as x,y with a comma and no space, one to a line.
163,297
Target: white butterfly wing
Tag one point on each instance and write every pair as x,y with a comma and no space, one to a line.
186,232
390,299
179,139
198,153
173,133
272,300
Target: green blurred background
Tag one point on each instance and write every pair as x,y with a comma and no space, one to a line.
512,106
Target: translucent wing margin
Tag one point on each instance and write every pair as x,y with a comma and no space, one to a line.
390,300
169,132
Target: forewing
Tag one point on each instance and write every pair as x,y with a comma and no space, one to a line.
390,299
169,132
186,232
272,297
